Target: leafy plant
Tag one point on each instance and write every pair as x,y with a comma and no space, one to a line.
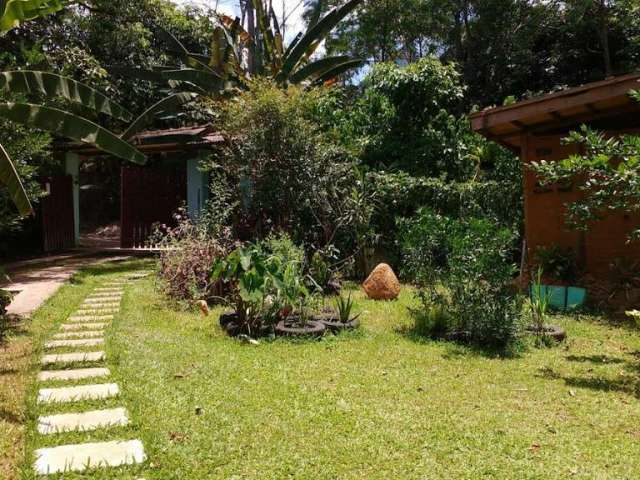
344,307
13,12
187,253
252,279
464,268
539,302
558,262
5,300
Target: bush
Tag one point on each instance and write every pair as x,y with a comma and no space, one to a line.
188,251
5,300
465,275
285,173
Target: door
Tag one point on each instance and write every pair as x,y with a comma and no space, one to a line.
150,196
58,224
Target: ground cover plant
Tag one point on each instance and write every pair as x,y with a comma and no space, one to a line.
379,403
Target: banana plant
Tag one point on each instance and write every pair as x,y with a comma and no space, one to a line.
222,71
13,12
47,85
52,119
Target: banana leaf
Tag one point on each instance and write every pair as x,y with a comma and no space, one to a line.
317,68
10,178
70,126
314,35
52,85
338,70
168,104
12,12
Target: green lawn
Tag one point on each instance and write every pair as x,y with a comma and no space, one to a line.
376,404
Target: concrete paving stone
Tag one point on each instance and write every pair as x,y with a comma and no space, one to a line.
103,304
79,334
81,342
89,318
101,300
82,422
75,374
72,327
97,311
86,456
67,358
99,391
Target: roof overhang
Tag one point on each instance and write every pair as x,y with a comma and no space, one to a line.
561,111
158,141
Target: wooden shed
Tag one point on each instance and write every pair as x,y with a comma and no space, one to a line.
534,129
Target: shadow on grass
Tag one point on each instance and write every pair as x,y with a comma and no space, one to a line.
11,327
627,382
458,349
10,417
113,267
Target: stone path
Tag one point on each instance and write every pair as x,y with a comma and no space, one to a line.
81,333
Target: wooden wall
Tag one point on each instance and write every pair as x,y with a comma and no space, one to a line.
545,211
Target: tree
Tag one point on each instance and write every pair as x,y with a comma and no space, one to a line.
608,174
221,70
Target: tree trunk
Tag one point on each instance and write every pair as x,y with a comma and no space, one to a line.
604,38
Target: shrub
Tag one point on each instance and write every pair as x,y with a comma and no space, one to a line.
465,276
188,251
5,300
286,174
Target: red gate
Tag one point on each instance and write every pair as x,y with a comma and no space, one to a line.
149,196
58,225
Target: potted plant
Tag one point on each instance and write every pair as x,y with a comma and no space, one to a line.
293,299
539,305
561,271
342,318
250,278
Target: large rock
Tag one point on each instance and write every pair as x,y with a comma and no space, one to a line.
382,283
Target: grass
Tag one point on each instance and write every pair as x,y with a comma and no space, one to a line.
378,403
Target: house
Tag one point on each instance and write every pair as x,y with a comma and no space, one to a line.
145,195
534,129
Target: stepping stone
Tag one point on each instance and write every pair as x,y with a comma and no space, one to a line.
101,300
105,296
66,358
82,326
82,422
97,311
89,318
75,394
84,456
83,342
76,374
108,290
71,335
100,305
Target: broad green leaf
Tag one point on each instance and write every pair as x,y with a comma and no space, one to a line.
315,34
15,11
71,126
338,70
10,178
317,68
168,104
52,85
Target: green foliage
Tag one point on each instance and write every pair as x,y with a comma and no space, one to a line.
539,302
286,175
558,262
407,118
252,276
9,176
71,126
5,300
608,175
13,12
464,268
344,307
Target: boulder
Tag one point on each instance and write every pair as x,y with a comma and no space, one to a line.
382,283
